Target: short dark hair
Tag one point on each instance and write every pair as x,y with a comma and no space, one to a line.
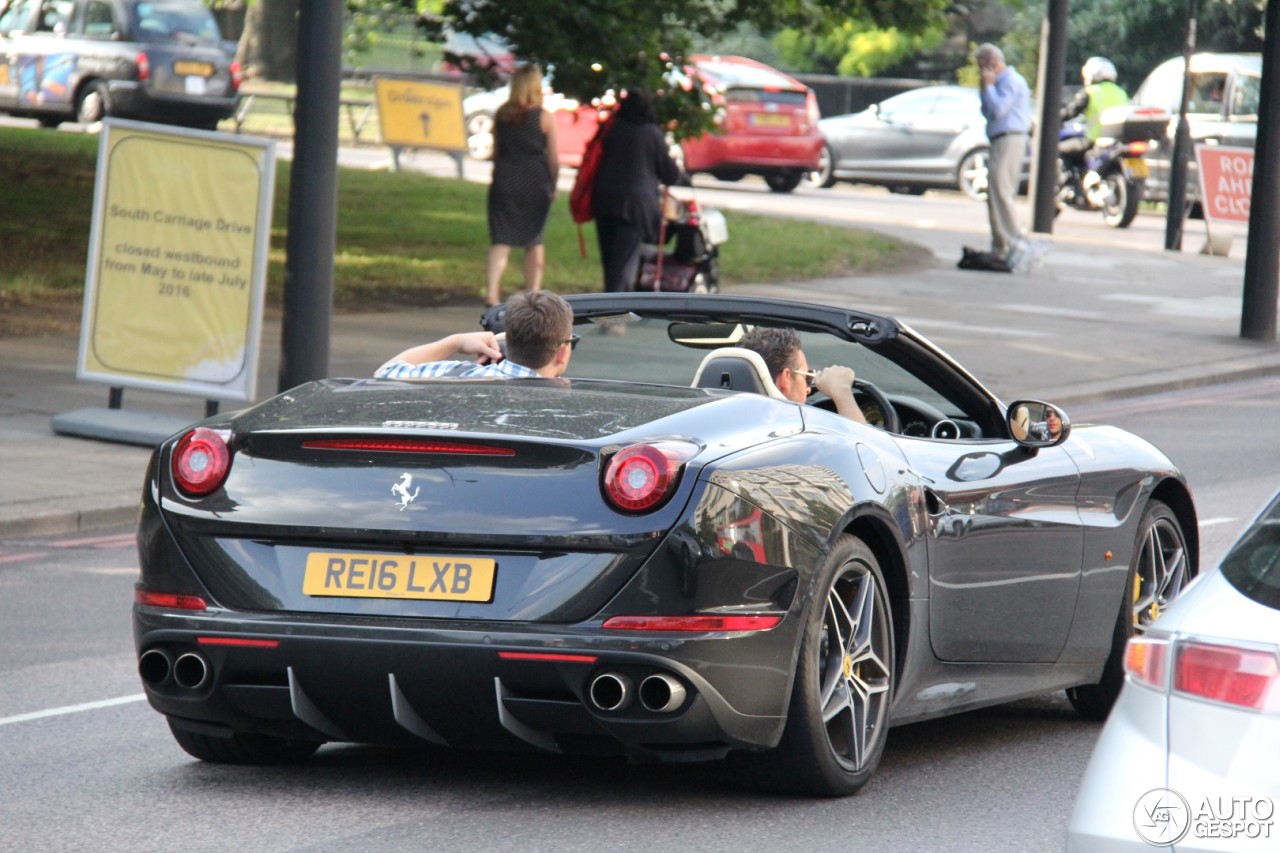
778,347
537,324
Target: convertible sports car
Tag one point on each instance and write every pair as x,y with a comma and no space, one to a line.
655,555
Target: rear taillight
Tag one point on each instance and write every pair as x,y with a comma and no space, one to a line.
811,107
144,67
642,477
175,600
1232,675
1138,149
692,623
1146,660
237,76
692,212
201,461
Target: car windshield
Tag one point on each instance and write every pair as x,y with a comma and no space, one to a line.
736,74
654,350
1253,563
183,21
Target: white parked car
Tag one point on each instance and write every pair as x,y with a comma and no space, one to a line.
1190,755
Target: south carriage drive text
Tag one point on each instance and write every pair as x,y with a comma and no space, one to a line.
164,217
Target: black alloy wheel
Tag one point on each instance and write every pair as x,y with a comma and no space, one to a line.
838,718
1160,572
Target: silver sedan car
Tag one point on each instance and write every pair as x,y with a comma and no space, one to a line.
1190,756
933,137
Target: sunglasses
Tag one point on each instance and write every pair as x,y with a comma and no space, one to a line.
572,341
810,376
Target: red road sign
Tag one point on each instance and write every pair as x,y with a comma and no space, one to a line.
1226,181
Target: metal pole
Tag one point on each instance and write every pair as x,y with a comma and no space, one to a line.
1262,255
1053,58
1181,145
313,196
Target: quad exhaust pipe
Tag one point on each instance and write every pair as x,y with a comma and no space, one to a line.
155,667
611,691
159,668
190,671
659,693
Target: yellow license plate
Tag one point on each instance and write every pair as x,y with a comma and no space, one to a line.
770,120
350,575
1136,167
189,68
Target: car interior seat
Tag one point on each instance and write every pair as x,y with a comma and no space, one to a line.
736,369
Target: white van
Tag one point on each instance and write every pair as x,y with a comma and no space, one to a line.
1223,109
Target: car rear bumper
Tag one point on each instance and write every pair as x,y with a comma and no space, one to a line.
752,154
129,100
1128,761
455,683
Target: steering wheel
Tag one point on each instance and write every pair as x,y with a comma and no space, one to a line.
891,421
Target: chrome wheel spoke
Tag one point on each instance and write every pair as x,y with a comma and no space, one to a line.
856,678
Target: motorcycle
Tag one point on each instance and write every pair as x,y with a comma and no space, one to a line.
692,264
1112,172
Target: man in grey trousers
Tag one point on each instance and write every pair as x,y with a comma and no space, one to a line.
1006,105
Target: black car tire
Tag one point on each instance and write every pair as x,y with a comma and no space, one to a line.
783,182
243,748
1159,573
94,103
837,721
971,175
823,177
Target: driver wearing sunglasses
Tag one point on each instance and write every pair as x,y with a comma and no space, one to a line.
780,349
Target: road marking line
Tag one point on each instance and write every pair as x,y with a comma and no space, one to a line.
72,709
20,558
113,541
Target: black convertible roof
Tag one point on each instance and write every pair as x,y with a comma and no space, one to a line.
843,323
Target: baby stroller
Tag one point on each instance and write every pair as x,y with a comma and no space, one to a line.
691,265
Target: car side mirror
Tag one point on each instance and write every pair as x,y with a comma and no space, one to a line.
1033,423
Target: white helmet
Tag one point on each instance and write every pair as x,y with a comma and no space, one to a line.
1096,69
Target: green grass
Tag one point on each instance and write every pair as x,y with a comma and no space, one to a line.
402,238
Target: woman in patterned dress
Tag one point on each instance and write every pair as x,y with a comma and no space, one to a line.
525,168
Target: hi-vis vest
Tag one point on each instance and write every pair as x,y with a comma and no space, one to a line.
1102,96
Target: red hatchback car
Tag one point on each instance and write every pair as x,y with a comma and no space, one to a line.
767,124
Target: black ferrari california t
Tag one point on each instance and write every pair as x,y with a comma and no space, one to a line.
656,555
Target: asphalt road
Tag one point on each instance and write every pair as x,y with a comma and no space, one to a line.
85,765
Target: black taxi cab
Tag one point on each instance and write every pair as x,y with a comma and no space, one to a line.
85,60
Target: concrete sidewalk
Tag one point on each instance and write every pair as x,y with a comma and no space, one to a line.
1086,322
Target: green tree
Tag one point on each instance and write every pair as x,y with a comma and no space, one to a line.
595,46
1149,31
856,48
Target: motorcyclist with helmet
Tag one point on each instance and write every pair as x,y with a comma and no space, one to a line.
1099,93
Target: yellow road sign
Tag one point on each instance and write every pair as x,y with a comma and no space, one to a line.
415,114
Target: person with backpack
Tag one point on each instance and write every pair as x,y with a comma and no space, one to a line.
625,199
525,167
